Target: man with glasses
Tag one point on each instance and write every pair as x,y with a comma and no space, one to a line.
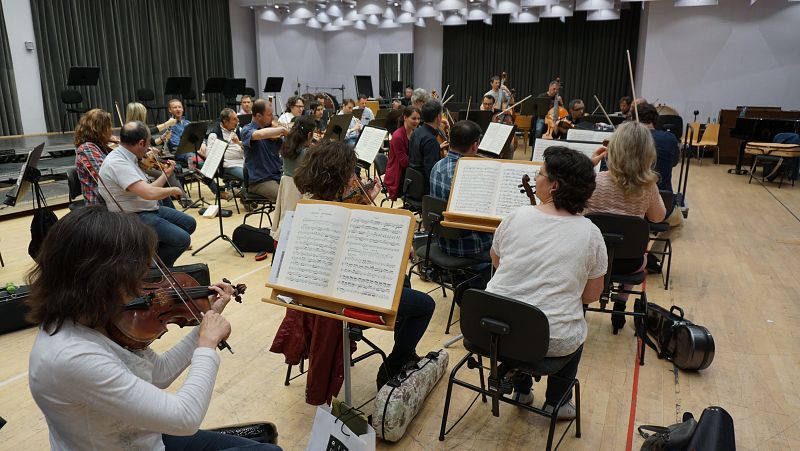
294,108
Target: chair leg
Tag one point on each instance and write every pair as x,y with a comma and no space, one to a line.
668,257
449,395
480,372
577,409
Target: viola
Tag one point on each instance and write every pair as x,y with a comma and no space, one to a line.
526,188
152,160
144,319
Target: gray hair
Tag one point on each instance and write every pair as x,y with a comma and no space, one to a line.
420,95
225,114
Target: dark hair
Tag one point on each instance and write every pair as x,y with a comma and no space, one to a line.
647,113
362,96
259,107
490,97
246,96
326,170
431,110
554,83
410,87
90,261
292,101
626,99
575,175
133,132
495,78
393,120
314,105
348,101
574,102
463,134
225,114
297,137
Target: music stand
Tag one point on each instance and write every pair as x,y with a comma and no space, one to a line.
214,85
191,140
28,175
482,118
528,109
338,126
358,113
397,87
245,119
218,151
177,86
364,85
83,76
273,84
232,88
542,106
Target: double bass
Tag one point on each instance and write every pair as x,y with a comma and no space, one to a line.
556,118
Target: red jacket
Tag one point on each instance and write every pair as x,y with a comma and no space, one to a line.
318,339
398,162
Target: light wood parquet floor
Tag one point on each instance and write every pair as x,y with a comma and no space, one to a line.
736,267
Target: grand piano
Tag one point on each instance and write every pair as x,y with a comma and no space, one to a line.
750,129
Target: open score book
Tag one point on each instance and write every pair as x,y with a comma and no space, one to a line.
352,253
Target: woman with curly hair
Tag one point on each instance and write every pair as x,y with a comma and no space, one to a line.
92,138
559,268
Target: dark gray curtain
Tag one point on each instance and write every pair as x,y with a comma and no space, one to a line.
10,122
407,69
136,43
387,71
589,57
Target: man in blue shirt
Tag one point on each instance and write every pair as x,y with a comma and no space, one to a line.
261,142
667,150
464,138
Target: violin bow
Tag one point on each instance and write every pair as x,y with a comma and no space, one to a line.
162,267
633,87
468,105
444,94
119,115
600,105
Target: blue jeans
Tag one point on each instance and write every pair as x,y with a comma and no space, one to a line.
539,128
414,312
213,441
173,229
236,172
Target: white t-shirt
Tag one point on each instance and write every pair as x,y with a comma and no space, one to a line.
96,395
120,170
546,260
234,153
286,119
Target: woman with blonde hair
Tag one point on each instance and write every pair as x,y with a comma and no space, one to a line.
629,188
92,143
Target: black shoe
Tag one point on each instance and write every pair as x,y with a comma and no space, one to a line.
618,320
653,264
385,374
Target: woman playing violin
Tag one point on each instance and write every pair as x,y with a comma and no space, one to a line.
94,393
92,138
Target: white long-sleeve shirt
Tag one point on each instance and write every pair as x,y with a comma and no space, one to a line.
96,395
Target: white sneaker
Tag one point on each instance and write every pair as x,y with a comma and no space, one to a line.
566,412
524,398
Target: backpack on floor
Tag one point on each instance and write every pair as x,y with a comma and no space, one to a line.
687,345
252,239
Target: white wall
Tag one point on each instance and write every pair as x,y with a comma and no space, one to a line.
243,44
709,58
19,23
428,53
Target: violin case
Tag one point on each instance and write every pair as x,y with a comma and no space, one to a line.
687,345
13,310
399,401
198,271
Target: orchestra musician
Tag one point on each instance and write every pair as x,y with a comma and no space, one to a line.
398,153
246,105
397,104
92,137
499,92
568,256
294,108
326,173
125,182
354,130
367,115
93,392
293,150
552,91
317,112
424,149
262,142
407,98
419,98
487,103
227,129
625,104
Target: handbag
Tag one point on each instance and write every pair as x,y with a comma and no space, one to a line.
252,239
689,346
43,220
669,438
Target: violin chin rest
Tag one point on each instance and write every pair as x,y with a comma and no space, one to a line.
260,432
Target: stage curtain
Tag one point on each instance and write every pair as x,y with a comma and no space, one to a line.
136,43
10,121
589,57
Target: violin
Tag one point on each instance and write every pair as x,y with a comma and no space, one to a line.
358,193
526,188
152,160
443,134
145,318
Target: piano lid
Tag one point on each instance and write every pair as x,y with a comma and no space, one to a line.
759,129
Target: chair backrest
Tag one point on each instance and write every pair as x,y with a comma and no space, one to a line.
626,236
414,186
381,160
189,95
523,122
672,123
245,178
711,135
145,95
74,184
432,212
695,133
523,328
71,97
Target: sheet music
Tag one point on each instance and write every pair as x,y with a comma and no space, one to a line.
370,143
373,251
509,197
585,148
313,248
215,150
576,134
280,252
474,187
495,137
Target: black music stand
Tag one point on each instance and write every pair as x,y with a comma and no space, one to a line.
177,86
358,113
214,85
28,175
83,76
364,85
191,140
482,118
245,119
217,177
338,126
273,85
233,87
541,106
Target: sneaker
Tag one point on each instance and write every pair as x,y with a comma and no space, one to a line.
566,412
524,398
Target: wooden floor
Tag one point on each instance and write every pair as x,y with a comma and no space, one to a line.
736,267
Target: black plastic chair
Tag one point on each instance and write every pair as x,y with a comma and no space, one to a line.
71,100
189,98
433,258
248,91
662,227
74,184
261,204
626,237
517,334
380,163
145,96
413,190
